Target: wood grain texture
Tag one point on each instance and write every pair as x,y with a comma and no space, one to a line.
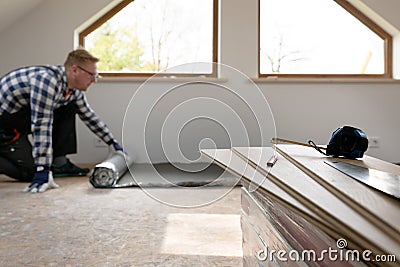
307,197
255,181
232,162
382,210
361,232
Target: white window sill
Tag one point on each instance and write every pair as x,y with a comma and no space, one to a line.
324,80
162,79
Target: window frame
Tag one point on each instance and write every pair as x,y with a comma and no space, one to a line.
113,11
386,37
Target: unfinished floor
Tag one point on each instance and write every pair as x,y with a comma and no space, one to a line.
78,225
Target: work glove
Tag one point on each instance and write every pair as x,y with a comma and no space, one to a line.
117,147
42,181
113,144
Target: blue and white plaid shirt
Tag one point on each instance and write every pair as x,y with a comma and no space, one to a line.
45,89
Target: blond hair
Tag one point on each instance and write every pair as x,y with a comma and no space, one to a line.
79,56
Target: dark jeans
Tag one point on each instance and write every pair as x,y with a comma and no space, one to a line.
16,159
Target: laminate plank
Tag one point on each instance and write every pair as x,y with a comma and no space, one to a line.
230,161
254,180
381,209
312,195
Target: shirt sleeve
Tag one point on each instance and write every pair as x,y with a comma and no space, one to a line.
42,102
92,121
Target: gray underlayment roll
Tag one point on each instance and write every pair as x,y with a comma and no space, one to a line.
107,173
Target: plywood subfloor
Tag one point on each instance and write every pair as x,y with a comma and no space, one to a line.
77,225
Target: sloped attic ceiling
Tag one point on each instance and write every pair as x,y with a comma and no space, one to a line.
13,10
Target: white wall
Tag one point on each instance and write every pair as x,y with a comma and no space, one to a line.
302,111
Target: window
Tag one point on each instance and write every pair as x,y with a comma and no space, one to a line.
321,38
143,37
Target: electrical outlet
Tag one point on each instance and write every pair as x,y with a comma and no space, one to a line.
99,143
373,142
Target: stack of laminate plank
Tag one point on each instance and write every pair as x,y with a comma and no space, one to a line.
302,183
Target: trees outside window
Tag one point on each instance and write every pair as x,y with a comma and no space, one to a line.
320,38
143,37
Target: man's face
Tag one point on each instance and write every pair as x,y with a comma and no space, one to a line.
85,75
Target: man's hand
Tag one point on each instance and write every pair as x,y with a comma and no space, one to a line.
117,147
42,181
113,145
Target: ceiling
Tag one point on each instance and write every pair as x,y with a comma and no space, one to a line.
12,10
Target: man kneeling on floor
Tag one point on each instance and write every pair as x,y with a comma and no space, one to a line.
43,101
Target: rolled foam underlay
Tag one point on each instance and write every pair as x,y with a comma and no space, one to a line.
108,172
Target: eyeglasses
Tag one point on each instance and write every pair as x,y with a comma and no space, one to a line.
93,75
